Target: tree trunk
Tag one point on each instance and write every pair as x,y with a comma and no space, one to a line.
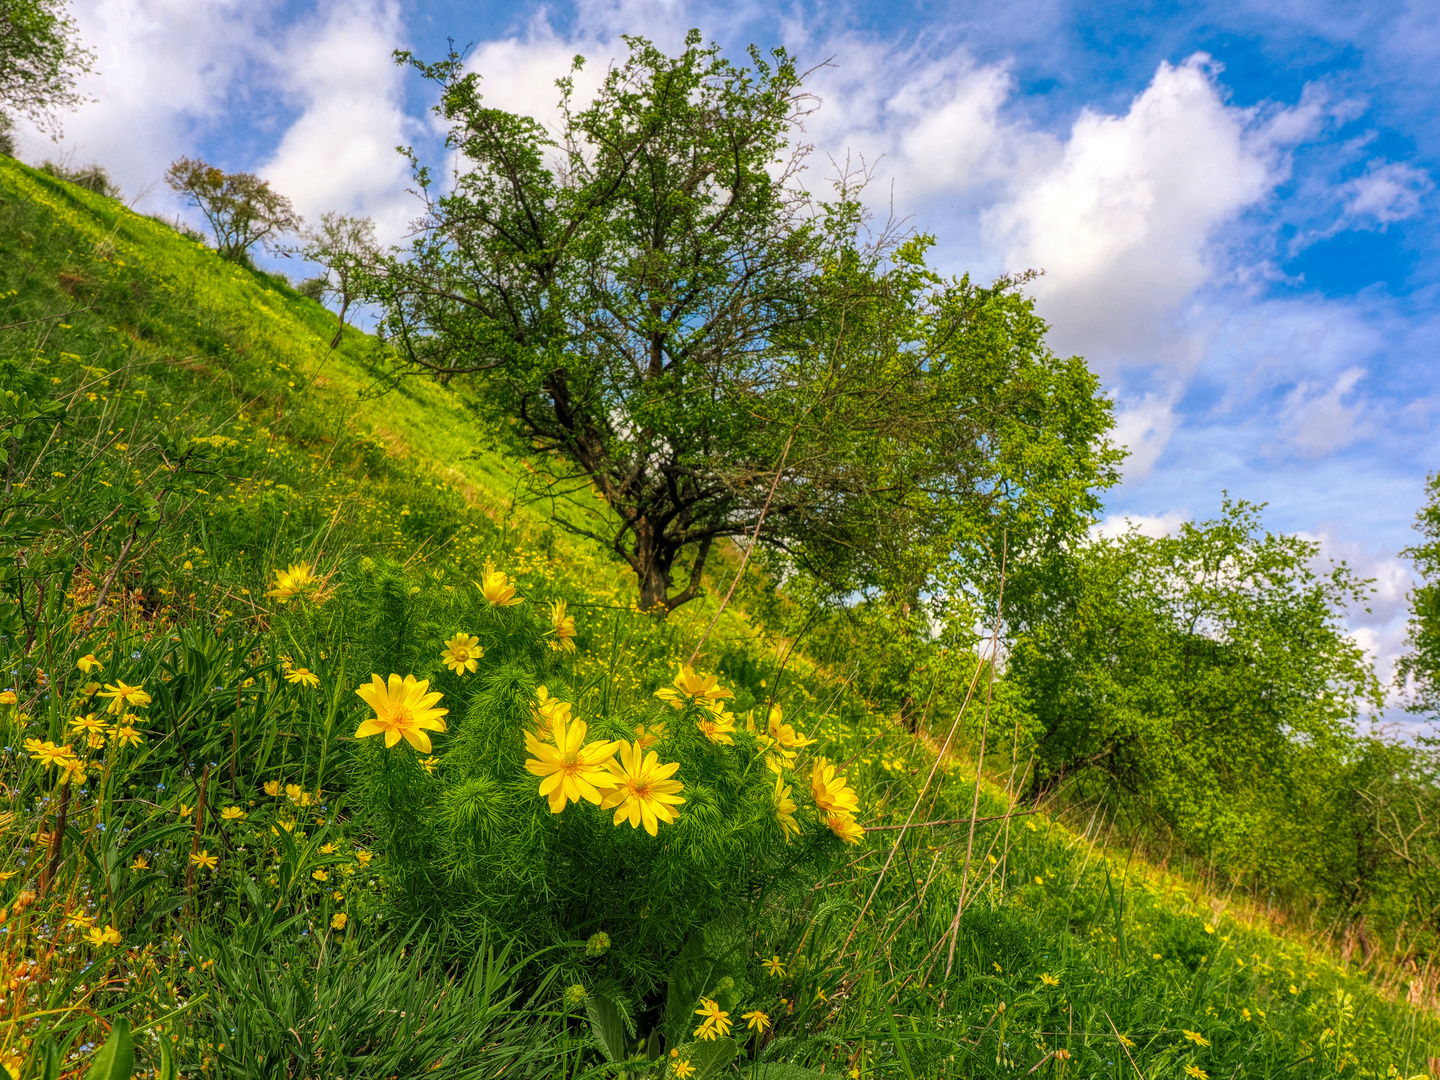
652,563
653,560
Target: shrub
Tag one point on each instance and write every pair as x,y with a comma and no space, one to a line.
92,177
625,901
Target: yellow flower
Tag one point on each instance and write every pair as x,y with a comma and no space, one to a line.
461,653
124,696
785,809
692,689
403,708
73,772
88,663
496,586
718,726
429,763
232,813
47,753
303,677
643,788
1127,1042
205,859
292,582
98,937
845,827
125,735
681,1068
338,920
328,849
648,738
363,857
831,793
570,769
546,710
272,788
1049,980
89,724
320,875
140,863
756,1019
1195,1037
563,625
1196,1072
783,733
717,1020
7,697
775,966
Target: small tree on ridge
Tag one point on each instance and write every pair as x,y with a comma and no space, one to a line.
241,209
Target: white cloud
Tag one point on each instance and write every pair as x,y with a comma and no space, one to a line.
1144,426
163,69
339,154
1390,191
1154,525
1318,419
1123,222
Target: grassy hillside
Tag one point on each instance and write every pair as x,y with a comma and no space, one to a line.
184,433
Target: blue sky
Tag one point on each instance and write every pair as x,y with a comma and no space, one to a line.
1234,203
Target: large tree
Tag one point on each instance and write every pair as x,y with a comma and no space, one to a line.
40,60
659,310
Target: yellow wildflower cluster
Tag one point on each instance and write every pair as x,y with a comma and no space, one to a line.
637,786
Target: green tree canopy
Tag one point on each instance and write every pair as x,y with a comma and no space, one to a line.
242,209
697,348
40,59
1194,677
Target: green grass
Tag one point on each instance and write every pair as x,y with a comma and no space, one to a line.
310,455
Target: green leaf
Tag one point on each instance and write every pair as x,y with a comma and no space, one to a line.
116,1059
49,1060
608,1026
709,1059
167,1069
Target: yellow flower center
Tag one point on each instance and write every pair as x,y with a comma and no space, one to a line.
402,717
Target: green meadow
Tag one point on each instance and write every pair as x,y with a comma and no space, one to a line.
217,528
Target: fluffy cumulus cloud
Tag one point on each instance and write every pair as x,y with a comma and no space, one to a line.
1124,219
1390,191
339,152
